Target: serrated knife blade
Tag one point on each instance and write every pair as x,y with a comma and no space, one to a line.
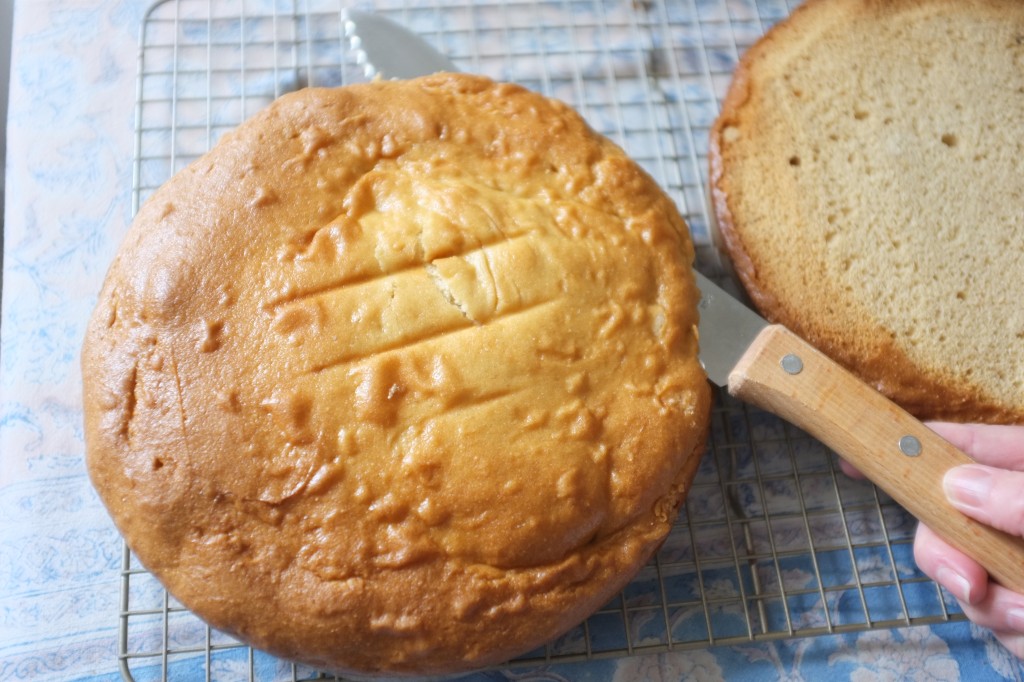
771,367
388,49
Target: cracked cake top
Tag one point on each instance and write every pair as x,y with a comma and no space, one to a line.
399,377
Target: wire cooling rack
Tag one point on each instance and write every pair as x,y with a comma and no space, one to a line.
773,542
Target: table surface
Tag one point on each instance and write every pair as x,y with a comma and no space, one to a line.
69,179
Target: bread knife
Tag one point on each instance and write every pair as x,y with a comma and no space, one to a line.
769,366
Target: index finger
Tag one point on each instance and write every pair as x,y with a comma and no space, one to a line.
996,445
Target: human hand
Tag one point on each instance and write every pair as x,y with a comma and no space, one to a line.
992,492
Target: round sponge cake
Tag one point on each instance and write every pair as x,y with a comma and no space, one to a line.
868,179
400,377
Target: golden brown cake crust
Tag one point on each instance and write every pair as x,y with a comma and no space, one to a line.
400,377
866,195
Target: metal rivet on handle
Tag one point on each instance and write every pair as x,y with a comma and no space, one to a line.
910,446
792,364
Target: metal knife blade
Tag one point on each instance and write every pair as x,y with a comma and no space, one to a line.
388,49
720,310
771,367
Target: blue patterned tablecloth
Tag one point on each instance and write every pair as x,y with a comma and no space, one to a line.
69,179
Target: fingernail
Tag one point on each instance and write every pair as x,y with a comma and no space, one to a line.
955,583
1015,619
968,485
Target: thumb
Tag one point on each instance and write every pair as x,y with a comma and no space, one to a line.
992,496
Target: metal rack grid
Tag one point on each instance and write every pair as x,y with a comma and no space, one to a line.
774,542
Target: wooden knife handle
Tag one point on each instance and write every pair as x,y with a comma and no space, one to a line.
785,375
